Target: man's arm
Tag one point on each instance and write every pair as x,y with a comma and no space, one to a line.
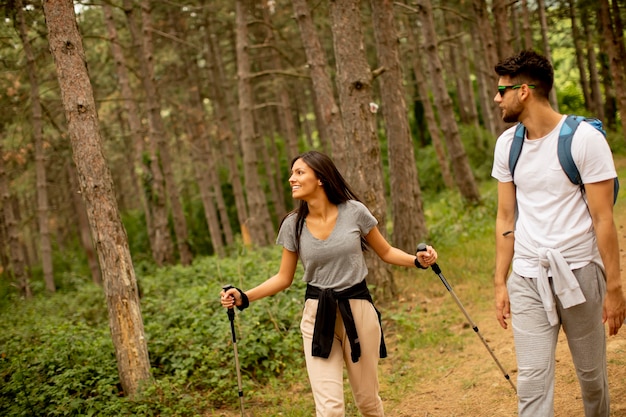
600,202
505,238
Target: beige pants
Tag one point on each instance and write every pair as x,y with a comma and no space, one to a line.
326,375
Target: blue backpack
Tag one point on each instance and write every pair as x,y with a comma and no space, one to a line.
564,149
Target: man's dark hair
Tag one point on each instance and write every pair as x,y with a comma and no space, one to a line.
528,67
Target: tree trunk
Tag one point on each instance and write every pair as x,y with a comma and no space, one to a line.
354,81
616,62
501,23
528,34
485,47
120,285
409,224
580,56
16,251
139,170
541,8
461,169
258,215
226,136
158,134
40,156
429,112
331,126
163,251
592,64
82,222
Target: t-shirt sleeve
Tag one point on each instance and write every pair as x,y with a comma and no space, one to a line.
592,155
364,218
500,169
287,233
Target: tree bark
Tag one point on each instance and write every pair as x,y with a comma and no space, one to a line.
592,64
541,8
331,126
163,251
580,56
258,215
40,155
158,134
461,169
354,81
409,224
120,285
17,258
616,62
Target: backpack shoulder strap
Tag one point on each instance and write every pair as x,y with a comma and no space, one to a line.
516,146
564,149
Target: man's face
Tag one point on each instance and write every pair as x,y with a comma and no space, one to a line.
508,100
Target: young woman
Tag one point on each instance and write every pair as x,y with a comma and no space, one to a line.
328,232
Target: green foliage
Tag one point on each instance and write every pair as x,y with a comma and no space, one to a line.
58,358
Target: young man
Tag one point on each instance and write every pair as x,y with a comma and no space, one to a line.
561,243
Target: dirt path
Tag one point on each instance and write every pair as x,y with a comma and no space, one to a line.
471,384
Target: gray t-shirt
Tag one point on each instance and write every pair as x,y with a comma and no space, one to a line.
336,262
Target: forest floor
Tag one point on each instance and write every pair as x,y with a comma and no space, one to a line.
475,386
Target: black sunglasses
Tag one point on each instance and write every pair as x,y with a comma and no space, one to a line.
502,88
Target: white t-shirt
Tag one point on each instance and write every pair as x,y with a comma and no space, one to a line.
551,209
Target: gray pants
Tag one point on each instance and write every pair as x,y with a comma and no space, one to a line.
535,344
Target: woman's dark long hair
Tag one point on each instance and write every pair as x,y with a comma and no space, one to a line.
335,186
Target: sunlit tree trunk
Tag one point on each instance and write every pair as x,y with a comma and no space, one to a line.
409,224
354,81
120,285
463,175
16,252
258,214
40,154
331,126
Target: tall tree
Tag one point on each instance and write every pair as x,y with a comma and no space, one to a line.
409,224
463,175
16,251
592,65
120,284
163,251
547,51
258,223
355,85
331,126
40,153
580,56
616,60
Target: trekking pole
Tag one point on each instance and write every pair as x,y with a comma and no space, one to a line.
231,318
422,247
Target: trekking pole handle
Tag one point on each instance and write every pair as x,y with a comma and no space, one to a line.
422,248
231,310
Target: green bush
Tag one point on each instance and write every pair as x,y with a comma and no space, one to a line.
57,356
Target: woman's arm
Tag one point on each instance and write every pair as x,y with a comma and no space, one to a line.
395,256
271,286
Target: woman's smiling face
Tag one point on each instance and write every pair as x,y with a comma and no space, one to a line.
303,181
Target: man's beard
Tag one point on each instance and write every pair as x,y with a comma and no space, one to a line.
511,115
